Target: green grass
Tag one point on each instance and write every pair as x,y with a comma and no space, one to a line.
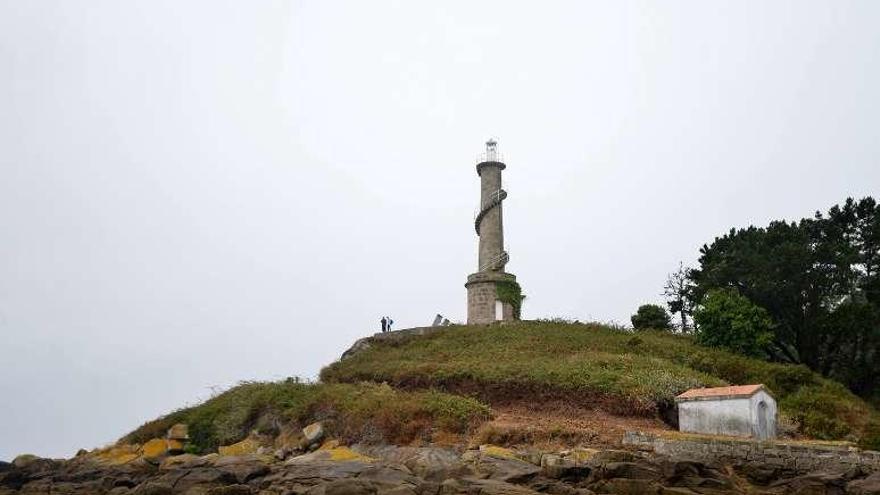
641,371
352,412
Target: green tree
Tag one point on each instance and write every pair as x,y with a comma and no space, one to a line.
729,320
678,290
818,279
651,316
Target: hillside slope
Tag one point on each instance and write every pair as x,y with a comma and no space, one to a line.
597,367
352,413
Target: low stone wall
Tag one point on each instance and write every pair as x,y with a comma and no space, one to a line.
793,456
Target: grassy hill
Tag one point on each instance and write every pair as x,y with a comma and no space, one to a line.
600,367
420,388
350,412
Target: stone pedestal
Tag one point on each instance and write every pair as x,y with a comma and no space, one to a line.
482,298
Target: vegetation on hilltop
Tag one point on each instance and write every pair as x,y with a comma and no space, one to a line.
597,366
352,412
651,317
818,279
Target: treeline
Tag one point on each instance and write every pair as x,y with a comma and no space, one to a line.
805,292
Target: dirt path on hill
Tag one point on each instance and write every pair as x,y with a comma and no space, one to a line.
561,425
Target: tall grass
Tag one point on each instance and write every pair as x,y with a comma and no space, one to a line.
353,412
583,360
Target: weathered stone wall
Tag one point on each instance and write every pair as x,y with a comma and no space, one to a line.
482,295
794,456
481,303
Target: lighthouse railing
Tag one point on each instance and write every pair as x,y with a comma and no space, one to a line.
490,156
494,196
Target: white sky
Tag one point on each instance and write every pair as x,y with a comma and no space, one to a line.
196,193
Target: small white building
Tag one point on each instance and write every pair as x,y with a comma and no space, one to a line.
743,411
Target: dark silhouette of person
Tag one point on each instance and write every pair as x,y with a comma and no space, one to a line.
384,324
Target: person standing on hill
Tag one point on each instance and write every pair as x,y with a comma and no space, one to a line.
384,324
390,322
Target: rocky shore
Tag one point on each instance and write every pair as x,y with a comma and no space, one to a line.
431,470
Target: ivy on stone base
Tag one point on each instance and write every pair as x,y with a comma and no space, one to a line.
509,292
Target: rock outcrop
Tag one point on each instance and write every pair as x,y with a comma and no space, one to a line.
387,470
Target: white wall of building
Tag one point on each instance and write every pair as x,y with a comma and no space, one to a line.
753,416
763,408
716,417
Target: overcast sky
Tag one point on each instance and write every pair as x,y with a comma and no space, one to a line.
196,193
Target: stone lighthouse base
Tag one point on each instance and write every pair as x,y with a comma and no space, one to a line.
483,304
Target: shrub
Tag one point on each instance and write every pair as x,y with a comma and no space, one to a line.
651,316
729,320
510,292
820,414
348,410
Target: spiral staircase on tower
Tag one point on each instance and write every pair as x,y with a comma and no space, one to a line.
497,262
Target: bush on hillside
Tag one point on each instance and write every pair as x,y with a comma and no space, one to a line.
818,280
728,320
651,316
348,410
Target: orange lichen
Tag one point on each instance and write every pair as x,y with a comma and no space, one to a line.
246,446
155,448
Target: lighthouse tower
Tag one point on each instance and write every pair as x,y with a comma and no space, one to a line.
493,294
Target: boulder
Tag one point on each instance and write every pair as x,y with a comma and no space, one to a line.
243,468
867,486
312,473
497,452
624,486
399,490
313,433
155,449
344,487
814,483
429,463
174,447
335,454
206,478
760,473
628,470
116,455
695,475
32,464
12,479
178,432
152,488
183,461
387,477
558,467
507,470
450,486
22,461
246,446
290,440
497,487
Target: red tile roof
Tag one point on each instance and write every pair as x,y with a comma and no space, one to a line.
721,392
